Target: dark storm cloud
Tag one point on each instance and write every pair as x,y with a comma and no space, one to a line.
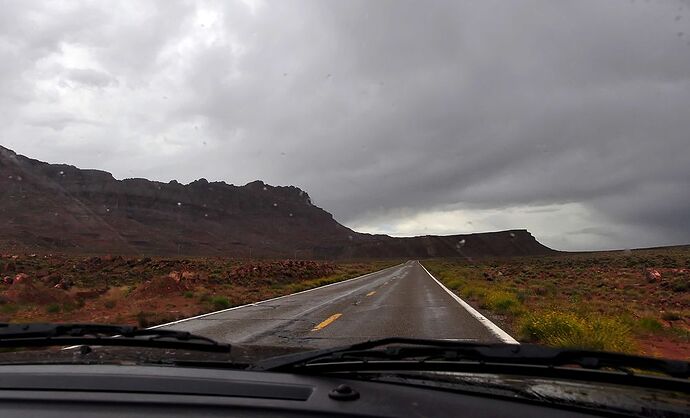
570,119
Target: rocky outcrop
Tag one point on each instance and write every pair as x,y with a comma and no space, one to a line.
55,207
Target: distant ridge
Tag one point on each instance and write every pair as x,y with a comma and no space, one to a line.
57,207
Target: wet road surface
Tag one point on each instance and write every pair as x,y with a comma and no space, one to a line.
401,301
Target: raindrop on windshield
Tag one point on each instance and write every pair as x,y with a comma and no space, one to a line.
179,203
350,237
275,205
512,235
62,173
290,215
265,188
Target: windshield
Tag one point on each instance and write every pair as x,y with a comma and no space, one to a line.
305,175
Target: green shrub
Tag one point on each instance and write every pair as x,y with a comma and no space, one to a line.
671,316
454,284
8,308
502,302
143,319
649,324
564,329
545,326
110,304
53,308
294,288
604,334
70,306
680,285
220,302
473,292
548,289
128,290
188,294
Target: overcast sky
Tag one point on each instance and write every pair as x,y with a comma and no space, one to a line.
568,118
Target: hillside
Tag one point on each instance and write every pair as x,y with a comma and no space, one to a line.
56,207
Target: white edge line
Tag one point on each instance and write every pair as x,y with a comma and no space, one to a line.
502,335
72,347
272,299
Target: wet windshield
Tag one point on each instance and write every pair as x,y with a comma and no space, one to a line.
307,174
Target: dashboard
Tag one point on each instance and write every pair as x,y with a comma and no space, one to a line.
158,391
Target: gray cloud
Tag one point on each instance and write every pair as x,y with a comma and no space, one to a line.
486,114
58,122
89,78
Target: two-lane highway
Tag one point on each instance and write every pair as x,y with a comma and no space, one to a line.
401,301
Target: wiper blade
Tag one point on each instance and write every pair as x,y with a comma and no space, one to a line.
417,351
45,335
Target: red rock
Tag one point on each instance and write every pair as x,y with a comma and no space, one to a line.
21,278
251,220
653,276
185,276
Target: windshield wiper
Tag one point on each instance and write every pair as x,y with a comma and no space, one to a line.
438,355
46,335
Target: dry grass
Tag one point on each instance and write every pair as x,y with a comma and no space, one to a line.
600,300
566,329
147,291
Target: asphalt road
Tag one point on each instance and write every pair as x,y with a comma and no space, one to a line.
402,301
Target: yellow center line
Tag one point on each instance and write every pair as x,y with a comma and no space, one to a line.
327,322
371,293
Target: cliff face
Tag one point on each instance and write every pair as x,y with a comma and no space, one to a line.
54,207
